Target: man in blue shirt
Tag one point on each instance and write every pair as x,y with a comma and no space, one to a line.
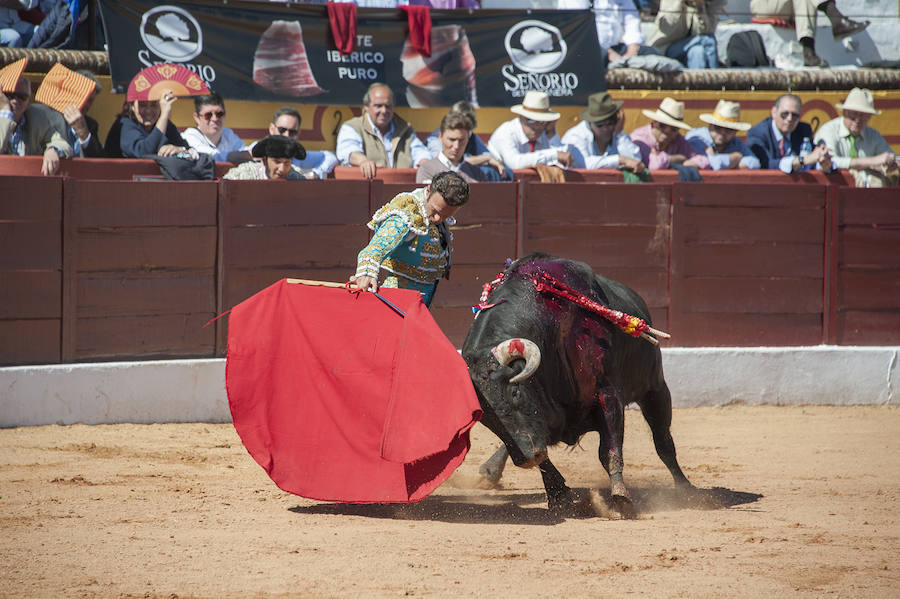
598,140
719,141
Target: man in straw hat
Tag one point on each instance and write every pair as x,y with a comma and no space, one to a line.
531,138
598,140
276,154
856,146
662,145
32,129
719,140
778,139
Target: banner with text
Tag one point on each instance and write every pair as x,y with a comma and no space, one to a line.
286,52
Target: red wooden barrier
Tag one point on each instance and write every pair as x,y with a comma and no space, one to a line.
388,175
621,230
270,230
125,169
139,269
747,264
30,269
865,309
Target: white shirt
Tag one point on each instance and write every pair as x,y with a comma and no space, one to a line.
510,144
228,143
586,154
617,21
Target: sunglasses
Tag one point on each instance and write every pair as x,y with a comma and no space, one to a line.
667,127
536,124
220,114
17,95
287,132
793,115
720,128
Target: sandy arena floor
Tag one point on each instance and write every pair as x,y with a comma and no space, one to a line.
795,502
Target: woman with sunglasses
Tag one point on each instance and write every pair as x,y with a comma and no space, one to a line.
147,130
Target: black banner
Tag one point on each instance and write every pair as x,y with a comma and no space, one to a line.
286,52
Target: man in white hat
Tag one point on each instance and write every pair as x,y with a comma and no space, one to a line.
853,144
719,140
598,140
661,143
531,138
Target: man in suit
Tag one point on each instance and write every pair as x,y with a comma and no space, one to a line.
32,129
777,140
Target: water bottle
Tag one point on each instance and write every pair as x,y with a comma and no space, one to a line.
805,149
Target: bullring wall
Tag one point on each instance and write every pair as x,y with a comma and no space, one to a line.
100,270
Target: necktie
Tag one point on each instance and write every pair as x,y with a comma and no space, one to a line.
530,145
853,152
781,146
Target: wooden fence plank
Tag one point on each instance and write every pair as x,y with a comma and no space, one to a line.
34,341
120,294
144,204
161,336
31,294
145,249
28,245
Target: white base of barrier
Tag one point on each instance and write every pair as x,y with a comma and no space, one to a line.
194,390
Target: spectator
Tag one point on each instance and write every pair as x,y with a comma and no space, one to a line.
777,140
661,145
719,141
455,131
856,146
318,164
32,129
148,131
803,13
598,140
685,30
211,136
618,27
277,153
83,133
476,152
379,138
15,32
530,139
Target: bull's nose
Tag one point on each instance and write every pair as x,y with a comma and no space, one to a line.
535,460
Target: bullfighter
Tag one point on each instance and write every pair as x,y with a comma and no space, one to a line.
412,246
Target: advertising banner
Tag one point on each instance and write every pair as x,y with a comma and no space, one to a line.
272,52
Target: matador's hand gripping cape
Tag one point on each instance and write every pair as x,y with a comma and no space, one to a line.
340,398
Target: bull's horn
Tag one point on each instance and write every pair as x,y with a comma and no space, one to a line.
515,348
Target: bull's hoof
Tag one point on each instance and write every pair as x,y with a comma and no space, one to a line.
562,503
616,507
490,477
624,507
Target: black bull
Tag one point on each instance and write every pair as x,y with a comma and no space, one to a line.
589,370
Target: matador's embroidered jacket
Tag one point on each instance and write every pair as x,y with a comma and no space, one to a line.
406,250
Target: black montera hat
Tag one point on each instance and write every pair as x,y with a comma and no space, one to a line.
278,146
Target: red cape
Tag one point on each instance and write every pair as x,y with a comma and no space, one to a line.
339,398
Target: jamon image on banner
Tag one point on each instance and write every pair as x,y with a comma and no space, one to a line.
445,77
280,63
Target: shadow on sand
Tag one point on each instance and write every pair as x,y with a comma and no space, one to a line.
507,507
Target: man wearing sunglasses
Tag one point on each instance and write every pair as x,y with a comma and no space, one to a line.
719,140
32,129
598,140
777,140
211,136
530,139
